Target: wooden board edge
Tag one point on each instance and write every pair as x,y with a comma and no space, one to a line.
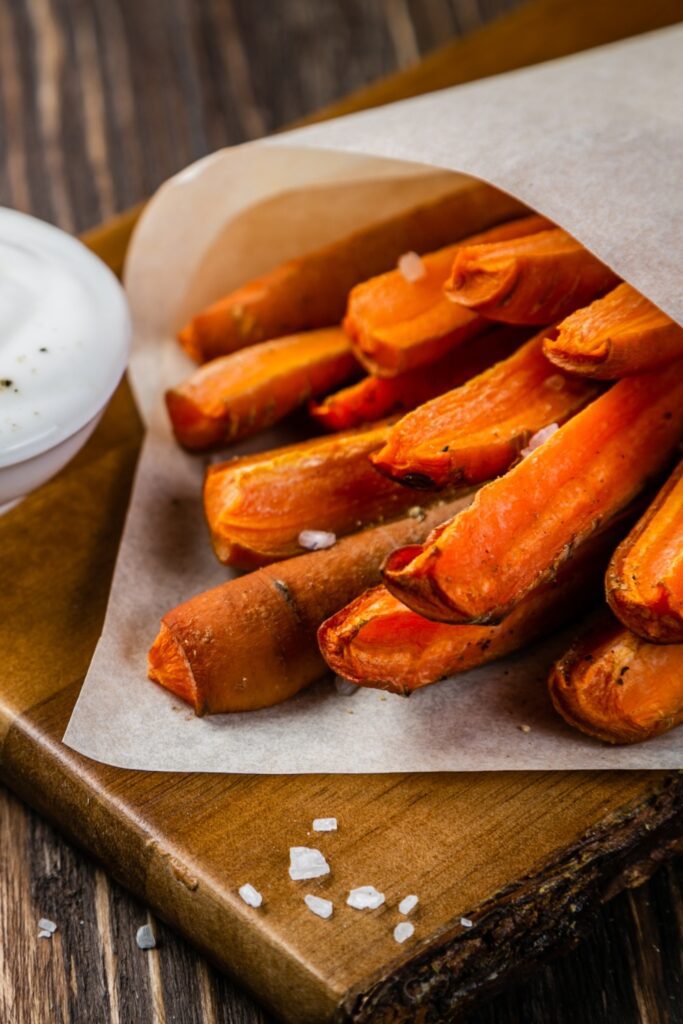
530,922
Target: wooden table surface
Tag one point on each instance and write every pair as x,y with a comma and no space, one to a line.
100,100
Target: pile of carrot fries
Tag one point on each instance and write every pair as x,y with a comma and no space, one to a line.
500,418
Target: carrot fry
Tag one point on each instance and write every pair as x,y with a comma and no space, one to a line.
533,280
376,641
618,335
257,506
237,395
521,527
375,397
644,580
397,323
251,642
311,291
615,687
476,431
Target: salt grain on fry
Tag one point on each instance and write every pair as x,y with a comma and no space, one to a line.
466,923
365,897
324,824
407,904
317,905
403,931
316,540
251,896
411,267
539,438
555,382
306,862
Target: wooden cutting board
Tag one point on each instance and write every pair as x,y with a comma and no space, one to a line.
525,856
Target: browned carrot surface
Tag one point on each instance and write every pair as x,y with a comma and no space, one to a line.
620,334
238,395
311,291
521,527
375,397
376,641
644,581
618,688
251,642
397,324
257,506
532,280
476,431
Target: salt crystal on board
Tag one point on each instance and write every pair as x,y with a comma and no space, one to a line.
46,925
251,896
407,904
319,906
43,934
316,540
365,897
403,931
324,824
306,862
411,267
145,937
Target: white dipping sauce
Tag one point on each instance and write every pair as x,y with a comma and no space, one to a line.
64,336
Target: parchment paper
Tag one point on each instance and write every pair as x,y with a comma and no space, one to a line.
596,143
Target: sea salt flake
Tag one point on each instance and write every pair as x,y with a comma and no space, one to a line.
306,862
403,931
365,897
539,438
407,904
145,937
344,687
46,925
44,934
319,906
251,896
411,267
317,540
466,923
324,824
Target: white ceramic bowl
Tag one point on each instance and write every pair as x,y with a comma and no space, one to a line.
64,344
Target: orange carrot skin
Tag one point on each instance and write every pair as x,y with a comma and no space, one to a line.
373,398
521,527
251,642
397,325
476,431
616,687
378,642
257,505
644,582
237,395
311,291
618,335
534,280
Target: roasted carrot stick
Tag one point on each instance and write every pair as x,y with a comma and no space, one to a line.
240,394
617,688
532,280
476,431
398,322
311,291
376,641
257,506
521,527
644,580
250,643
373,398
620,334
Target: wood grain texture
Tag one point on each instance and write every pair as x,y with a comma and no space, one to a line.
86,129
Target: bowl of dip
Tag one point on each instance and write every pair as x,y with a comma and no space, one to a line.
65,339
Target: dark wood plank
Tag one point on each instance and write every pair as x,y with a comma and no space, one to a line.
99,102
